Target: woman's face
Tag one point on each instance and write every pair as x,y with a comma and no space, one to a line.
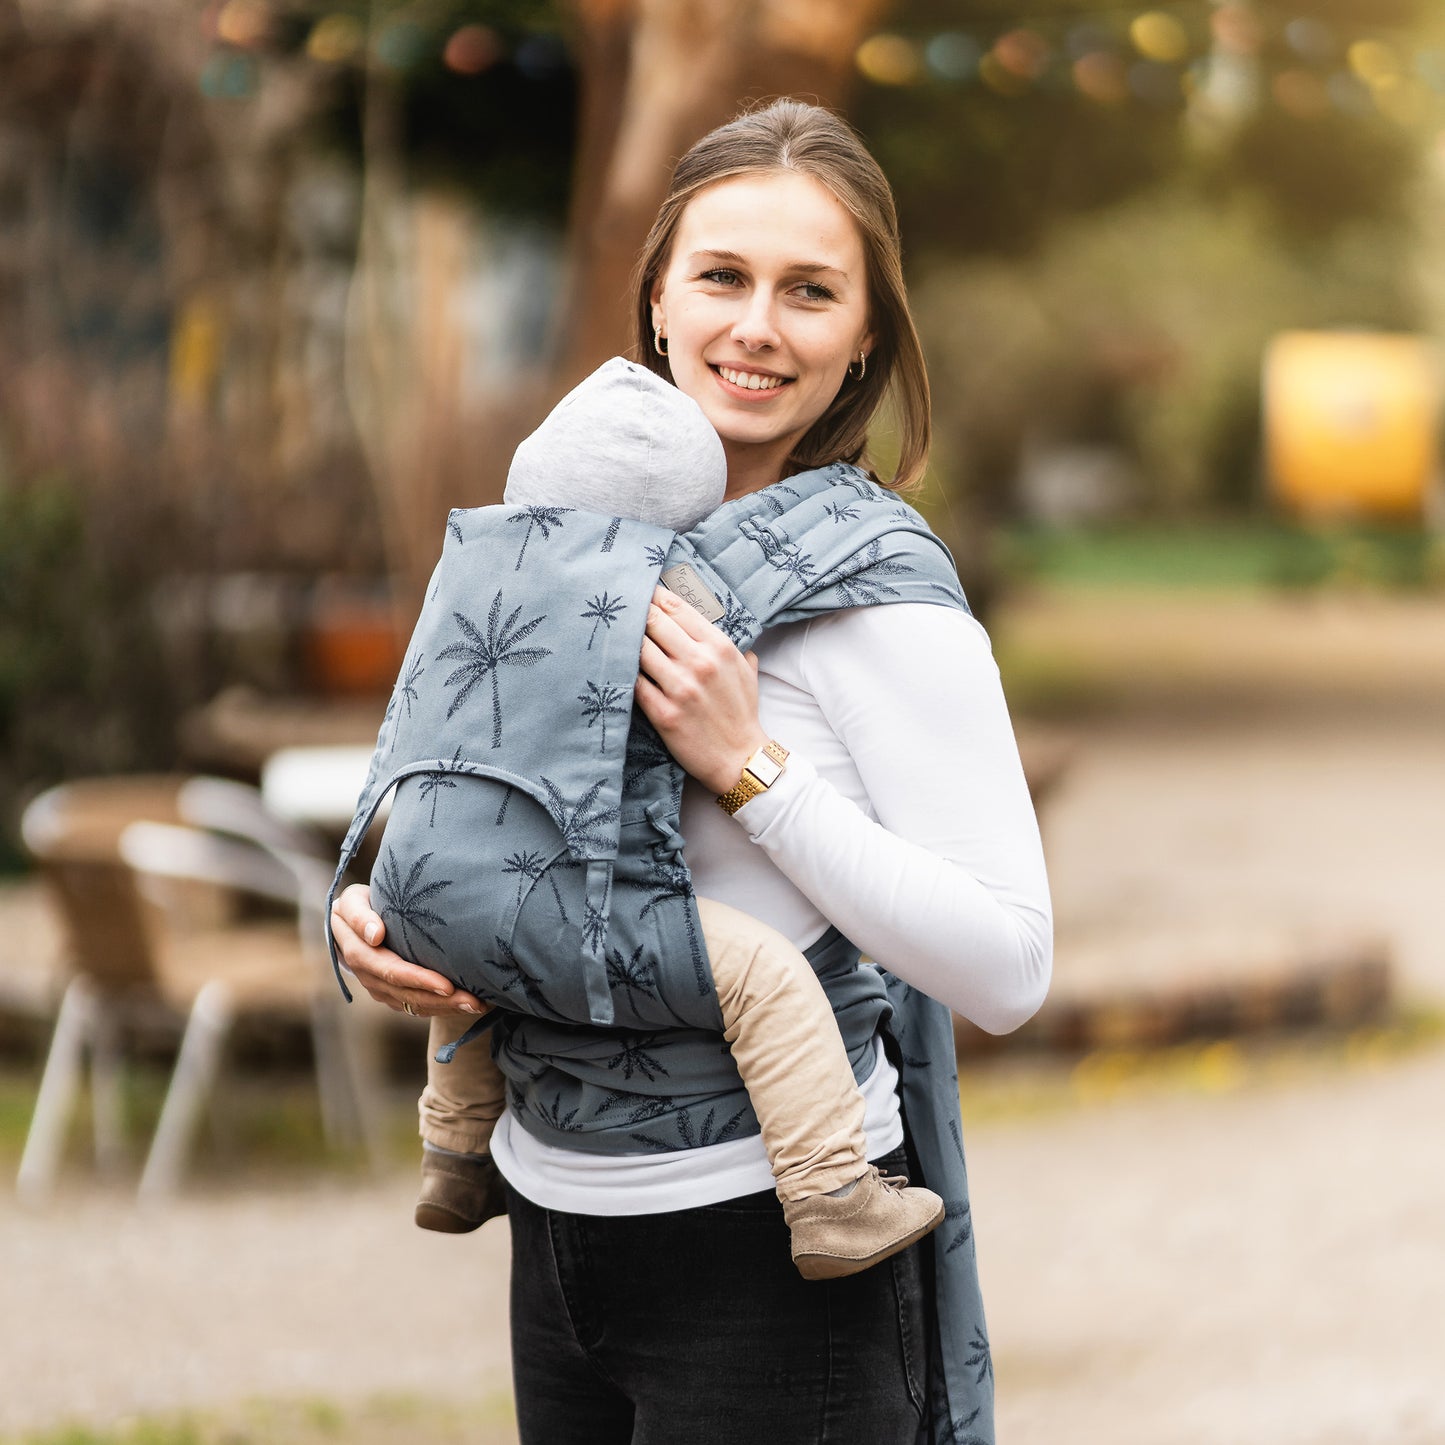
763,305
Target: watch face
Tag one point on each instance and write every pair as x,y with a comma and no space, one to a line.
765,769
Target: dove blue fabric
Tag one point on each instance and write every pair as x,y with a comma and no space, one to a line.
532,852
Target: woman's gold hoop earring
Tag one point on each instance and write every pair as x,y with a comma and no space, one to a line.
862,367
659,341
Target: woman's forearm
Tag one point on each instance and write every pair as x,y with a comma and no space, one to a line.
945,886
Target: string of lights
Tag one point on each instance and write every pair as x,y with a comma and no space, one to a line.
1194,51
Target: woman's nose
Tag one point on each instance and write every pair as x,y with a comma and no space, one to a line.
757,327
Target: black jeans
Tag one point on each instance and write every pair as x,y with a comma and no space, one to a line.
694,1328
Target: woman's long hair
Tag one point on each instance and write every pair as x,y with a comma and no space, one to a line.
789,135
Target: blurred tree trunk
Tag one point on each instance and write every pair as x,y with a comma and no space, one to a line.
656,75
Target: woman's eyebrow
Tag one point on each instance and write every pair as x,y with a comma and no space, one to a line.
803,268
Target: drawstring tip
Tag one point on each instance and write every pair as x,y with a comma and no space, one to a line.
448,1052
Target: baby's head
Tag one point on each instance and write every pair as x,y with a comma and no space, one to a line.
625,443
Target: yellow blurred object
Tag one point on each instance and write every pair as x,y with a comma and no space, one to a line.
195,349
889,60
1351,422
1374,61
335,39
1158,36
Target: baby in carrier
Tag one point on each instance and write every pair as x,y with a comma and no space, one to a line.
627,444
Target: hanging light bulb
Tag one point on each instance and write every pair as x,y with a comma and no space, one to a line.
888,60
1159,36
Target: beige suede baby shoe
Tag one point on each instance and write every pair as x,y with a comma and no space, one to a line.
878,1217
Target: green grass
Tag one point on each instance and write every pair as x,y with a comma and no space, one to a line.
263,1127
1215,555
384,1420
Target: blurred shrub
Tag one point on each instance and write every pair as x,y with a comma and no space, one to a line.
1143,327
1223,555
82,688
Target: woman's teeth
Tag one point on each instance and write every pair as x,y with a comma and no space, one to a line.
752,380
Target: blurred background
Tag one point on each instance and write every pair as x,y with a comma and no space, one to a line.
281,281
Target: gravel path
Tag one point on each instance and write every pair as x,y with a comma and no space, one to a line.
1174,1269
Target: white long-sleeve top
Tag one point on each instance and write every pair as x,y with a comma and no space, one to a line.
902,818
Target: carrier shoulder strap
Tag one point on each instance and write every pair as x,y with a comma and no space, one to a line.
817,542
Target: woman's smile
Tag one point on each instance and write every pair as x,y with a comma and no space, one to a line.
759,384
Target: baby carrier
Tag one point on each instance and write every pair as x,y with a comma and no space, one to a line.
532,852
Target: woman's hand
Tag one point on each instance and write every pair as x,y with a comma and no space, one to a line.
385,975
699,692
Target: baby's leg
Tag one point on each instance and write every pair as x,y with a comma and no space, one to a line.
842,1214
460,1186
464,1099
789,1052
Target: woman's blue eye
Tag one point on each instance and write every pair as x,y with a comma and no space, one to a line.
814,292
721,276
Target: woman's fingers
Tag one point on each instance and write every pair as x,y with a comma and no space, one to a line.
385,975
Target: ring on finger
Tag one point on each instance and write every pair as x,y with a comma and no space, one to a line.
406,1004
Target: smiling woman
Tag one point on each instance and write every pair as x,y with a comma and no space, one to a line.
853,781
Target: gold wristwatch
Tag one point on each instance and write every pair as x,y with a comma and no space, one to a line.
759,774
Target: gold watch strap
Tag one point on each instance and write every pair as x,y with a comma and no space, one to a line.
749,785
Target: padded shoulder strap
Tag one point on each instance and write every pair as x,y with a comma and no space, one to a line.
816,542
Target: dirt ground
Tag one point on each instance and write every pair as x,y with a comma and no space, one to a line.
1262,1261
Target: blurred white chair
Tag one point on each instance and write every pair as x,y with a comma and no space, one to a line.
127,873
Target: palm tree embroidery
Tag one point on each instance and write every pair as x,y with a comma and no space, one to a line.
947,1429
633,1058
981,1355
773,505
713,1130
603,609
544,519
600,702
484,656
843,512
860,580
551,1114
455,527
641,1108
611,536
405,899
406,689
656,554
527,866
515,976
736,620
961,1211
791,561
432,783
390,736
561,861
594,926
636,975
645,751
502,811
672,883
581,824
